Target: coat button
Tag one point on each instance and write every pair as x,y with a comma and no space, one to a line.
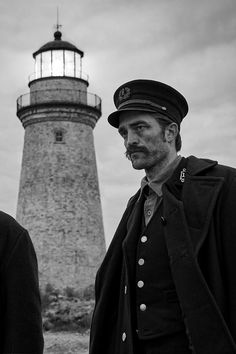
144,239
163,220
123,336
140,284
141,261
143,307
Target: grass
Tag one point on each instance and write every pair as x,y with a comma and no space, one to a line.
65,343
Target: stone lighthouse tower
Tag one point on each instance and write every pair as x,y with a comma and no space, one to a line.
59,201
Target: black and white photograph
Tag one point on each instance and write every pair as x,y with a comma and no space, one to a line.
118,177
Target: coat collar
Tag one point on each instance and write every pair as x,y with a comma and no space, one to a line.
198,166
194,167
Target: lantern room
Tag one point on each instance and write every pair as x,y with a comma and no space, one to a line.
58,58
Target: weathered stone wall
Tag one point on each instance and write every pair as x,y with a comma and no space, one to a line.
59,89
59,201
58,83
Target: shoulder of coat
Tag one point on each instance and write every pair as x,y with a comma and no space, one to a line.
133,199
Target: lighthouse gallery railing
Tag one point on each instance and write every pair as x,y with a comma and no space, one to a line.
59,96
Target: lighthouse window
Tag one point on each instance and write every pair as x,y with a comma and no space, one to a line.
38,66
57,63
46,64
69,63
78,65
59,136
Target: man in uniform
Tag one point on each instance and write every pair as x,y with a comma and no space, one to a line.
167,283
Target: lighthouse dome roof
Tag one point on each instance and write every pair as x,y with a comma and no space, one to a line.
58,44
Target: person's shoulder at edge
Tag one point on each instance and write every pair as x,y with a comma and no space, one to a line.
218,168
11,233
133,199
8,223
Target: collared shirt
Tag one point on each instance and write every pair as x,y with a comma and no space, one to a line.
153,189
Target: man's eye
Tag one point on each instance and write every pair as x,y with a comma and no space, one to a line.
123,133
140,127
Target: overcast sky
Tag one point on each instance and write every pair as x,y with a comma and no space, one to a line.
188,44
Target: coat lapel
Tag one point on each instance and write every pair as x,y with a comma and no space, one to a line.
104,331
199,199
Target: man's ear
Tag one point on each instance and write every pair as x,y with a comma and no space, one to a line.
171,132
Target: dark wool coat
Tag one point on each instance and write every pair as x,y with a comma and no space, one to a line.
20,308
200,233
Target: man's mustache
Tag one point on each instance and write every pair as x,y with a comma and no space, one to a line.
132,150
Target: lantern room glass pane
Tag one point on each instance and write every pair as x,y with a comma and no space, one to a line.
46,64
77,65
38,68
69,63
57,63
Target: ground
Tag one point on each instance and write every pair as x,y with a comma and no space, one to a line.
65,343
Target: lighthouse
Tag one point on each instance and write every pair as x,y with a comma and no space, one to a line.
59,200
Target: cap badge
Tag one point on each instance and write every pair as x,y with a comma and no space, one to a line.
124,93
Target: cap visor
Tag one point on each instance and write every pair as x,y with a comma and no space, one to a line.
113,118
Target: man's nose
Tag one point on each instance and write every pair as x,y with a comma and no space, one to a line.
132,138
